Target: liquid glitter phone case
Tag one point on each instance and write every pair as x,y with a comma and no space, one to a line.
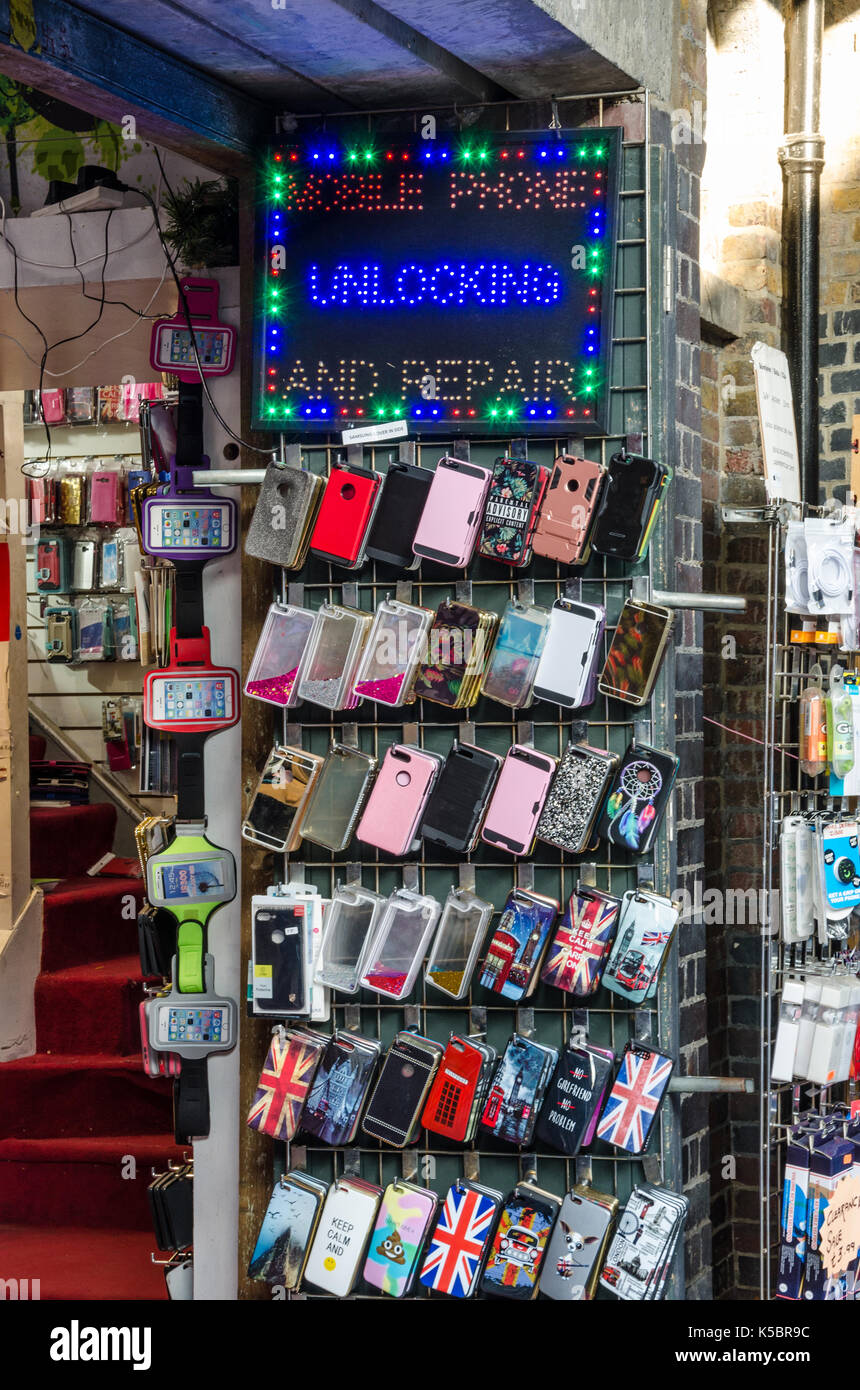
336,1256
636,651
287,504
460,797
581,945
516,1255
458,643
453,513
510,512
338,798
394,647
457,943
394,1110
634,1100
400,943
277,809
638,796
510,673
350,925
460,1239
287,1231
277,662
646,927
567,673
622,526
293,1057
516,948
346,515
568,509
405,1215
578,1245
575,797
404,494
456,1097
517,1090
398,798
574,1098
332,656
339,1088
518,799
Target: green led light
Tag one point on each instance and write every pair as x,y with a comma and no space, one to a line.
600,152
588,390
368,156
352,156
583,151
494,412
483,155
510,411
380,410
271,410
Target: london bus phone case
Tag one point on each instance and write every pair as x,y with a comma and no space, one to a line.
398,798
518,799
569,506
390,657
453,512
345,515
645,931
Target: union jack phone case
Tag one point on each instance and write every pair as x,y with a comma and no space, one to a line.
581,945
516,1255
394,1109
634,1100
287,1231
339,1088
644,1243
577,1246
336,1256
517,1090
517,946
288,1071
458,1089
574,1097
460,1239
346,514
646,928
402,1222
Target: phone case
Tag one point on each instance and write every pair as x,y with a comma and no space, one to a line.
293,1057
109,563
73,499
394,647
457,646
453,513
578,1244
339,1088
567,672
282,954
405,1215
394,1110
517,1089
397,800
275,817
400,943
641,1250
460,797
332,656
53,406
510,673
276,666
460,1239
404,493
287,1231
575,797
83,565
457,943
517,801
569,506
61,632
636,651
336,1256
516,948
638,796
457,1094
345,515
518,1247
646,928
106,497
574,1098
634,1099
350,924
52,565
338,797
287,504
628,505
581,945
510,511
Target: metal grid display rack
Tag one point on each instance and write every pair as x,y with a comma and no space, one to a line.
637,356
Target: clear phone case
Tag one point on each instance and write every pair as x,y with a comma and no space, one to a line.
277,662
338,798
281,798
394,647
400,943
510,673
332,656
348,931
457,943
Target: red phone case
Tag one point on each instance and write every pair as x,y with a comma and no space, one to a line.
345,514
450,1100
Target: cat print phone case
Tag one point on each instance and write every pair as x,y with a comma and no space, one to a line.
646,928
336,1256
580,947
460,1239
405,1215
513,502
574,1097
517,1251
638,796
398,798
339,1088
511,669
577,1246
390,656
516,803
575,797
634,1100
453,513
394,1109
512,963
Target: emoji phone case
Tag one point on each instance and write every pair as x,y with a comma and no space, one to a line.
345,515
518,799
581,945
510,511
517,1251
407,1071
577,1246
634,1099
574,492
348,1216
453,513
405,1215
460,1239
638,796
396,803
510,673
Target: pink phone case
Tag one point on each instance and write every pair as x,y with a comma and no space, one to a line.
104,497
396,803
453,513
517,801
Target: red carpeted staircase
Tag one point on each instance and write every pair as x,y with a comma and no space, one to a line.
73,1115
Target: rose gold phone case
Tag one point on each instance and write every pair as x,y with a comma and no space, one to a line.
568,509
398,798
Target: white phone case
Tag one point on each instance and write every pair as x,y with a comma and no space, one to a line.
347,1219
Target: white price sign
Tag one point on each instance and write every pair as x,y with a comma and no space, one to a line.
776,422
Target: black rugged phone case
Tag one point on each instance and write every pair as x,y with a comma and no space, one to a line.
460,797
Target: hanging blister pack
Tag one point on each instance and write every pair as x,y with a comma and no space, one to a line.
830,564
796,569
840,725
348,931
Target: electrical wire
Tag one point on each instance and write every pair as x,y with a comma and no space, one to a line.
49,265
76,265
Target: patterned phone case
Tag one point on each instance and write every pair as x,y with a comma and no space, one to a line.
514,954
581,945
516,489
645,930
458,1244
634,1100
519,1245
457,646
517,1090
573,1097
575,797
404,1217
638,796
288,1071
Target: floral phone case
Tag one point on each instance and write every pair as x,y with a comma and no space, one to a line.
581,945
575,797
390,658
332,655
405,1215
277,661
517,945
510,673
511,509
518,1247
457,645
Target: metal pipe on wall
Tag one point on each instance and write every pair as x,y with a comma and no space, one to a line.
802,158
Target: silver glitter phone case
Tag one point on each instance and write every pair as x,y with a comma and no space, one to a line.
575,797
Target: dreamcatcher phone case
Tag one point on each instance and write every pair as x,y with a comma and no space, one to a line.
638,796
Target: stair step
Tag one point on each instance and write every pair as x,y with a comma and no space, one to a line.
58,1095
89,919
67,840
94,1007
73,1262
44,1181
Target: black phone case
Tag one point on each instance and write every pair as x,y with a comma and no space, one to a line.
460,797
404,493
633,795
574,1093
398,1097
632,486
287,958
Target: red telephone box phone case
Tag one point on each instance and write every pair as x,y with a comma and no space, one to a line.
449,1103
